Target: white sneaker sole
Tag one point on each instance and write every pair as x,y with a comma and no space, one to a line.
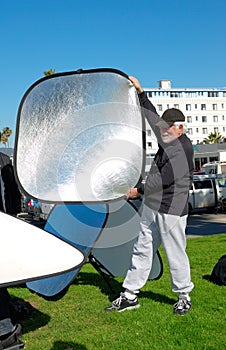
130,308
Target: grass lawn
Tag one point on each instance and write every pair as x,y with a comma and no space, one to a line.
77,320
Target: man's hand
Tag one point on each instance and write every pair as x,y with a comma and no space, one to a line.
136,84
132,193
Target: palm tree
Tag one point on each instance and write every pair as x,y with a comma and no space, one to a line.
49,72
4,135
213,137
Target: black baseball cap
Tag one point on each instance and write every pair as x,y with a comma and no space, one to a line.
169,117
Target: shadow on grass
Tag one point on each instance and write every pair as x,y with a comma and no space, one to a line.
112,287
107,284
30,317
206,277
60,345
23,312
35,320
160,298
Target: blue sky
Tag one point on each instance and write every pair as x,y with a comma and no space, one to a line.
183,41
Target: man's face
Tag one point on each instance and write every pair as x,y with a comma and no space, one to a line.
170,134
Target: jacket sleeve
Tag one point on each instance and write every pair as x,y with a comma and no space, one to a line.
146,103
150,113
140,188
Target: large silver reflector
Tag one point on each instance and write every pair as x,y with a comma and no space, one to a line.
79,137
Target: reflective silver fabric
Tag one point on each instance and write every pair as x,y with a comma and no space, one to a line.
79,138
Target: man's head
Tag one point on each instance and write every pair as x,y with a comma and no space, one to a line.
171,124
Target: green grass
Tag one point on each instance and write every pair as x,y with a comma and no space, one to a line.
77,320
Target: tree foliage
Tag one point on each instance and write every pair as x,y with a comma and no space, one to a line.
213,137
4,135
49,72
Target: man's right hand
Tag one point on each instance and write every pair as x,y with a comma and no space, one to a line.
132,193
136,84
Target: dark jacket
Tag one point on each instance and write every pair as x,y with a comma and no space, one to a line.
10,197
169,180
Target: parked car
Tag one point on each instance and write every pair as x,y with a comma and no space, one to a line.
214,168
207,191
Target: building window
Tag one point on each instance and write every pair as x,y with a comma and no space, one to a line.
190,131
149,144
214,107
175,94
203,107
222,117
215,130
196,106
188,107
176,106
196,118
213,159
222,105
215,118
197,130
203,160
204,131
159,107
204,119
148,132
213,94
189,119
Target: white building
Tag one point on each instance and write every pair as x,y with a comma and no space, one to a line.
204,109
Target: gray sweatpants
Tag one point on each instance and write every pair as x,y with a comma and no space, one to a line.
168,230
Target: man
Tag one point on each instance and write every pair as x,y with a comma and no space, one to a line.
10,202
10,197
165,209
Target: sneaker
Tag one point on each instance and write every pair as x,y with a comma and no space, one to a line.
182,306
12,342
122,304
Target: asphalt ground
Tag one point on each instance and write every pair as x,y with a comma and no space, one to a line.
204,224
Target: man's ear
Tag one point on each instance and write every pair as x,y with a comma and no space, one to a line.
180,129
181,126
